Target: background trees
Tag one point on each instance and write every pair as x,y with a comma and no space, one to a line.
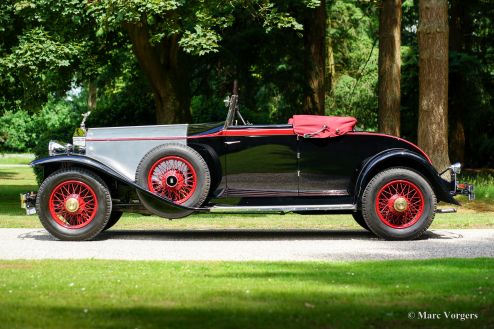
174,61
389,93
433,80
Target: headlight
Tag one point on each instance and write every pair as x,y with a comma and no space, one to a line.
455,168
57,148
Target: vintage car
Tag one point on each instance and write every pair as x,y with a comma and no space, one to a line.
313,164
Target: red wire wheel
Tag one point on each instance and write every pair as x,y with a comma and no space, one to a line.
73,204
399,204
174,178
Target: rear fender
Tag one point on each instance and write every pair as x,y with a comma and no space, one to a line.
402,158
56,162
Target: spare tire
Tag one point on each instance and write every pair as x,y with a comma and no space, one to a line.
175,172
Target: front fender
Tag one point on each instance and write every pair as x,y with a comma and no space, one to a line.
98,167
402,158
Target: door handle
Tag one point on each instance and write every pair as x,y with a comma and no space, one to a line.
232,142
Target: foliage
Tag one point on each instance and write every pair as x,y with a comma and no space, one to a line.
51,47
20,131
197,23
353,32
42,45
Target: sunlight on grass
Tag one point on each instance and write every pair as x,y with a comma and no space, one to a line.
23,158
120,294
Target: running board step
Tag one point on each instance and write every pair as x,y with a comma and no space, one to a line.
445,211
254,209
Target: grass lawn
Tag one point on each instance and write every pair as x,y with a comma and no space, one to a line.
120,294
15,180
22,158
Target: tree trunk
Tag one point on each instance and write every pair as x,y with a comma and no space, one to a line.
433,80
163,66
330,70
458,27
314,37
389,67
92,96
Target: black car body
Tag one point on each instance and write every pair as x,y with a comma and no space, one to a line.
387,183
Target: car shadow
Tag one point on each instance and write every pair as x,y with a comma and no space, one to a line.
238,234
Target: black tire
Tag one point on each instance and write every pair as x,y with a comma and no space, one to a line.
393,219
114,218
197,175
93,206
357,216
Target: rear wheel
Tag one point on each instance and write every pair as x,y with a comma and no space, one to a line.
73,204
357,216
398,204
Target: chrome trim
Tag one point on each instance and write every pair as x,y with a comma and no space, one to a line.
232,142
248,209
57,148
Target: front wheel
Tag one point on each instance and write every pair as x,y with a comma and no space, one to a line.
398,204
73,204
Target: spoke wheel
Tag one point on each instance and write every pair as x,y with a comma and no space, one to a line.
399,204
178,174
174,178
73,204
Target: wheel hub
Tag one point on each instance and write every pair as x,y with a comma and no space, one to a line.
173,179
72,204
400,204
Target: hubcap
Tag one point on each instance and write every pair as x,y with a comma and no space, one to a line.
171,181
400,204
72,204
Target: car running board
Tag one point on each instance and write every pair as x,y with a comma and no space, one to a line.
297,208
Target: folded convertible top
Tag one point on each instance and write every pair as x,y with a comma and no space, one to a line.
319,126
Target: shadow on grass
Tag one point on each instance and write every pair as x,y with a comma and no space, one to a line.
248,295
7,174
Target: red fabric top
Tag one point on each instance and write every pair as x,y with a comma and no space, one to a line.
319,126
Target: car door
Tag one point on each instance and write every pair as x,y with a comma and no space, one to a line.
261,161
326,166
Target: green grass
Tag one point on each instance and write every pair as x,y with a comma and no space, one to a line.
121,294
483,180
22,158
16,180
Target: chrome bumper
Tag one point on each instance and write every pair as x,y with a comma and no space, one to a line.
459,188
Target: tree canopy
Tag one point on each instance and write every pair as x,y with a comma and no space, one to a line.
148,61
